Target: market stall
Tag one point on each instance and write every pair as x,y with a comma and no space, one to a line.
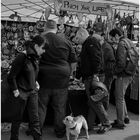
20,20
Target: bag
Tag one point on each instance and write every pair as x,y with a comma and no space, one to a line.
99,94
98,90
132,57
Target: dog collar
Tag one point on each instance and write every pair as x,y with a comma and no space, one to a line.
73,127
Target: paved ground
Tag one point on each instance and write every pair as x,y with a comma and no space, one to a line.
131,132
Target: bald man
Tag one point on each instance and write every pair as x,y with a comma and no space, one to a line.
91,58
56,65
91,66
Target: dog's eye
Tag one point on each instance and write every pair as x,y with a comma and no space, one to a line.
67,119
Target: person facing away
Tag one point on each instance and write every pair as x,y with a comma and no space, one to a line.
109,64
91,65
22,80
56,65
123,79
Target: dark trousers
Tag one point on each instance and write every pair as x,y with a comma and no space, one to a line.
58,101
98,109
31,100
108,81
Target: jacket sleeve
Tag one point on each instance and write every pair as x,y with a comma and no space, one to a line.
120,58
108,53
109,59
16,68
72,54
95,55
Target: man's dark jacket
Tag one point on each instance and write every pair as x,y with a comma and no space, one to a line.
109,58
24,71
91,57
55,62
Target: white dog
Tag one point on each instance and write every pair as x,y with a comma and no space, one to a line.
74,125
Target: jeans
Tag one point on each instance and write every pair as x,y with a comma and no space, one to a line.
31,100
96,109
121,85
59,99
108,81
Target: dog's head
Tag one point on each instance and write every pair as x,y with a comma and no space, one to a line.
69,121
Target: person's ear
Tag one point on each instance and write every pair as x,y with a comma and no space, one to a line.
35,46
117,36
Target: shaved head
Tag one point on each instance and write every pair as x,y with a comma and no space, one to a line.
81,35
83,32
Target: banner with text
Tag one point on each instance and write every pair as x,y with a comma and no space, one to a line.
84,7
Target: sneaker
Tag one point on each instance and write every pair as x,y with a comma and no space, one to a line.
60,135
115,124
104,129
93,127
126,120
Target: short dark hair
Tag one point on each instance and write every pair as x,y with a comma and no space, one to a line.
115,31
39,40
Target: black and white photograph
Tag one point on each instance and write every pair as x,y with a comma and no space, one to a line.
69,70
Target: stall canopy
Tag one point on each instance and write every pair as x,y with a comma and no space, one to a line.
31,10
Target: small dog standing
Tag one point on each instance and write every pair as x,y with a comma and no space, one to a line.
74,125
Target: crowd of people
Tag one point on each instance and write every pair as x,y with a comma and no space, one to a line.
42,72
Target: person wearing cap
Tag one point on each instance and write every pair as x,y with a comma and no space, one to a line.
109,62
91,64
22,80
56,65
123,79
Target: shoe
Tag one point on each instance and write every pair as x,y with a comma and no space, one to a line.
12,138
104,129
94,127
115,124
37,137
60,135
28,132
126,120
